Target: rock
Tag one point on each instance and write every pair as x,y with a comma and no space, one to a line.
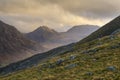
115,32
44,66
115,46
60,61
70,66
112,37
91,51
111,68
51,65
72,57
100,43
89,73
94,59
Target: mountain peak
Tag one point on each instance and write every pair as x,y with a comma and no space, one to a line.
82,28
44,29
41,34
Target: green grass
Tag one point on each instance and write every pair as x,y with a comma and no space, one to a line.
92,61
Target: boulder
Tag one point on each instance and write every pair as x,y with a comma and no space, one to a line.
111,68
71,66
72,57
60,61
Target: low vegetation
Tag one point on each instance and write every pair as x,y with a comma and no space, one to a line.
96,60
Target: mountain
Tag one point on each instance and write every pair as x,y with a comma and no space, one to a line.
79,32
49,38
42,34
97,59
52,39
104,31
83,29
14,46
36,59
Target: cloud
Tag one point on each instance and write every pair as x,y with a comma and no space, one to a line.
95,8
27,15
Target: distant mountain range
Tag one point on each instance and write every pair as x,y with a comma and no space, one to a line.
15,46
51,38
100,49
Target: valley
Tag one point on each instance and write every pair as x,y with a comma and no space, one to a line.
95,57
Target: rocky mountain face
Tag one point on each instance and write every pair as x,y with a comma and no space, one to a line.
14,46
51,38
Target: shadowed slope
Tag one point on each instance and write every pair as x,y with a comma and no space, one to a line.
13,45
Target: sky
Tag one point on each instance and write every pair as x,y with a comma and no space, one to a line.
27,15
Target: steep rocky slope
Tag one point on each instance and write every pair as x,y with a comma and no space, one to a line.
14,46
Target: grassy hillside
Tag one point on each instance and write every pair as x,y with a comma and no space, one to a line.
96,60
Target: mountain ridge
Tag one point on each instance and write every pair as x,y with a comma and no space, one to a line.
14,45
51,38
